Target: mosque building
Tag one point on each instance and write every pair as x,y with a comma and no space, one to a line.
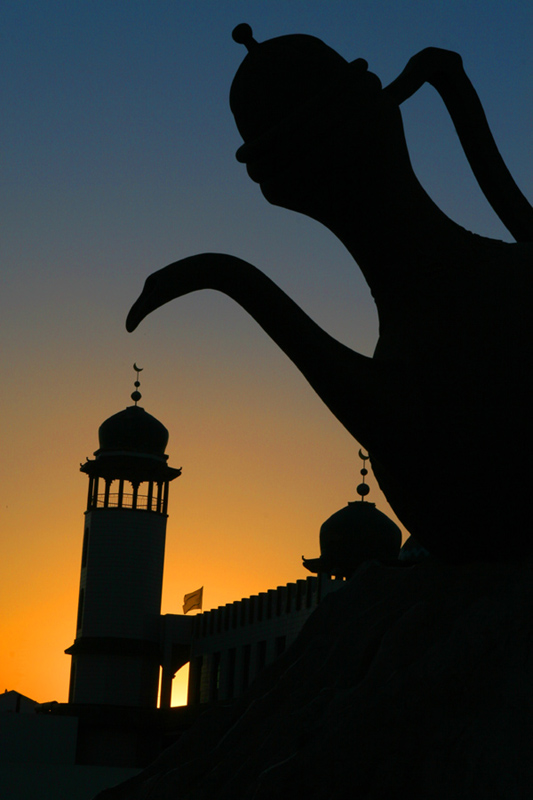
126,653
122,640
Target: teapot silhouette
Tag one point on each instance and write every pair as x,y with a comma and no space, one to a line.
449,376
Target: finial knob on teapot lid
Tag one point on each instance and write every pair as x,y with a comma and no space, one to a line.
243,34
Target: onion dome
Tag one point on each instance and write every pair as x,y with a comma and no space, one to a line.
354,534
132,430
132,445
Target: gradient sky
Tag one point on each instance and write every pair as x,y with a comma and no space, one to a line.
117,158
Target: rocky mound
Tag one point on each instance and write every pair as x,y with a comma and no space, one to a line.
409,682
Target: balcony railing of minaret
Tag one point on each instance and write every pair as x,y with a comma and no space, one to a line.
155,501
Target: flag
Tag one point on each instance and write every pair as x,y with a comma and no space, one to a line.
193,600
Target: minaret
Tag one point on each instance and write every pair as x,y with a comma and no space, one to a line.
116,654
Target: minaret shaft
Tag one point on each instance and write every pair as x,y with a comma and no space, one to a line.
116,655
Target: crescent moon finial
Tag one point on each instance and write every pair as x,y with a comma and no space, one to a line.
136,395
363,488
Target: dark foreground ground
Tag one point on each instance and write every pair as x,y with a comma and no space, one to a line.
410,682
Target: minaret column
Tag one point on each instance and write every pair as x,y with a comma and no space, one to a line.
116,654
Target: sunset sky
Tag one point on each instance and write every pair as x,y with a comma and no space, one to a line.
118,157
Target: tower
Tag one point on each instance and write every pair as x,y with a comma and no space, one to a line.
116,653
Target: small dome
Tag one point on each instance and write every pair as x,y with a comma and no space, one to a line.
133,430
356,533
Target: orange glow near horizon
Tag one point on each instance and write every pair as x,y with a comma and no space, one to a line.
238,525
